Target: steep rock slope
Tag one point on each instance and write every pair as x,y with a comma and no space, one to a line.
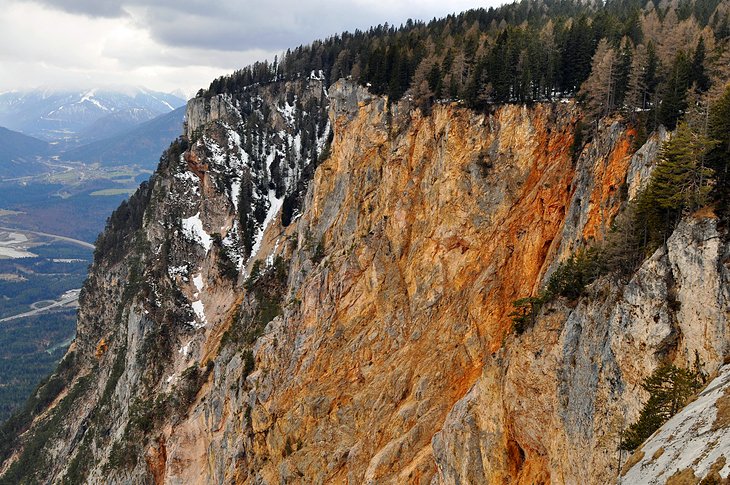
371,343
693,445
565,390
162,282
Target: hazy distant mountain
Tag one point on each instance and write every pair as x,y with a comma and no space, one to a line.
77,117
18,153
140,145
116,123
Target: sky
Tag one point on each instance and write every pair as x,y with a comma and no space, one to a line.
175,45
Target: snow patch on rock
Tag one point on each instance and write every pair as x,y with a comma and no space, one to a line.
199,310
181,270
190,180
274,207
198,281
193,230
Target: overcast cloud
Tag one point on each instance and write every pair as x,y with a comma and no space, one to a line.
174,45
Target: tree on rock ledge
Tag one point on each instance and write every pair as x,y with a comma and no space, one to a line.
669,389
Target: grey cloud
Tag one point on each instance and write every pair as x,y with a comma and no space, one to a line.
116,8
271,28
90,8
167,44
243,24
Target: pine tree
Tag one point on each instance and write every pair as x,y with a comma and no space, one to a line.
623,247
669,389
636,94
576,56
719,74
423,95
671,39
674,91
681,180
651,80
500,71
723,28
698,74
623,69
523,78
719,122
598,89
549,59
525,313
456,75
434,80
719,157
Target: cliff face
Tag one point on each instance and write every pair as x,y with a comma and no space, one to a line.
372,342
564,391
420,218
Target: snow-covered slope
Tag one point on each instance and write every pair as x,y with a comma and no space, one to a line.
693,445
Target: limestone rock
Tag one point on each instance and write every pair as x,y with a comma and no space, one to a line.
368,338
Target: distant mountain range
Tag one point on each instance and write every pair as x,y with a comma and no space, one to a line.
140,145
74,118
19,152
95,126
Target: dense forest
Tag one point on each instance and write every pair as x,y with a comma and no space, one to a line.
28,354
640,58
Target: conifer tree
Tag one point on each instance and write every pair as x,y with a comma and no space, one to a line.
722,31
422,93
500,71
434,80
549,59
636,94
623,68
652,65
674,91
698,74
681,180
598,89
719,156
719,74
719,124
669,389
576,56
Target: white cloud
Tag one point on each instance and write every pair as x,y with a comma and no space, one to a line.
170,45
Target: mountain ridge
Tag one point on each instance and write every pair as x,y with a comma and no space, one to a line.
18,150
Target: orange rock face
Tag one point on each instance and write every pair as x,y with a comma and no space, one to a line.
609,175
432,227
156,460
380,349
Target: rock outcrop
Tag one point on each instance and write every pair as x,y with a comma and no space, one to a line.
367,339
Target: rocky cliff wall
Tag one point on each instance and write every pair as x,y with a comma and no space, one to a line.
372,343
565,390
